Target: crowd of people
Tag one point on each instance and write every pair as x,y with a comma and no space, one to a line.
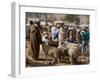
56,34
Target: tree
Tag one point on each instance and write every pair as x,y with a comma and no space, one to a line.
51,17
72,18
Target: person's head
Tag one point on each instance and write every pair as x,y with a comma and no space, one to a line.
38,21
85,30
54,24
45,34
58,26
37,24
78,32
61,24
31,22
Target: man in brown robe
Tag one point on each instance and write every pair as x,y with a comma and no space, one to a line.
35,39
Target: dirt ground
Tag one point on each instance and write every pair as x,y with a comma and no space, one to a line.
82,60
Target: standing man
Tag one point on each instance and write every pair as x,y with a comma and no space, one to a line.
53,32
35,39
61,36
85,41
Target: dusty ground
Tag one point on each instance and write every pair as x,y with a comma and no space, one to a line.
83,59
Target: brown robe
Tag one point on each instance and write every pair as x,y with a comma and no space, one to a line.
35,41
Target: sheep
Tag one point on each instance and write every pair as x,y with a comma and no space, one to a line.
74,51
51,52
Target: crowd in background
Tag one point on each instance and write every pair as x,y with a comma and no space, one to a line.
55,34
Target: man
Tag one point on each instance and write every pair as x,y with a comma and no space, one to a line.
61,35
35,39
57,31
53,32
85,40
70,38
